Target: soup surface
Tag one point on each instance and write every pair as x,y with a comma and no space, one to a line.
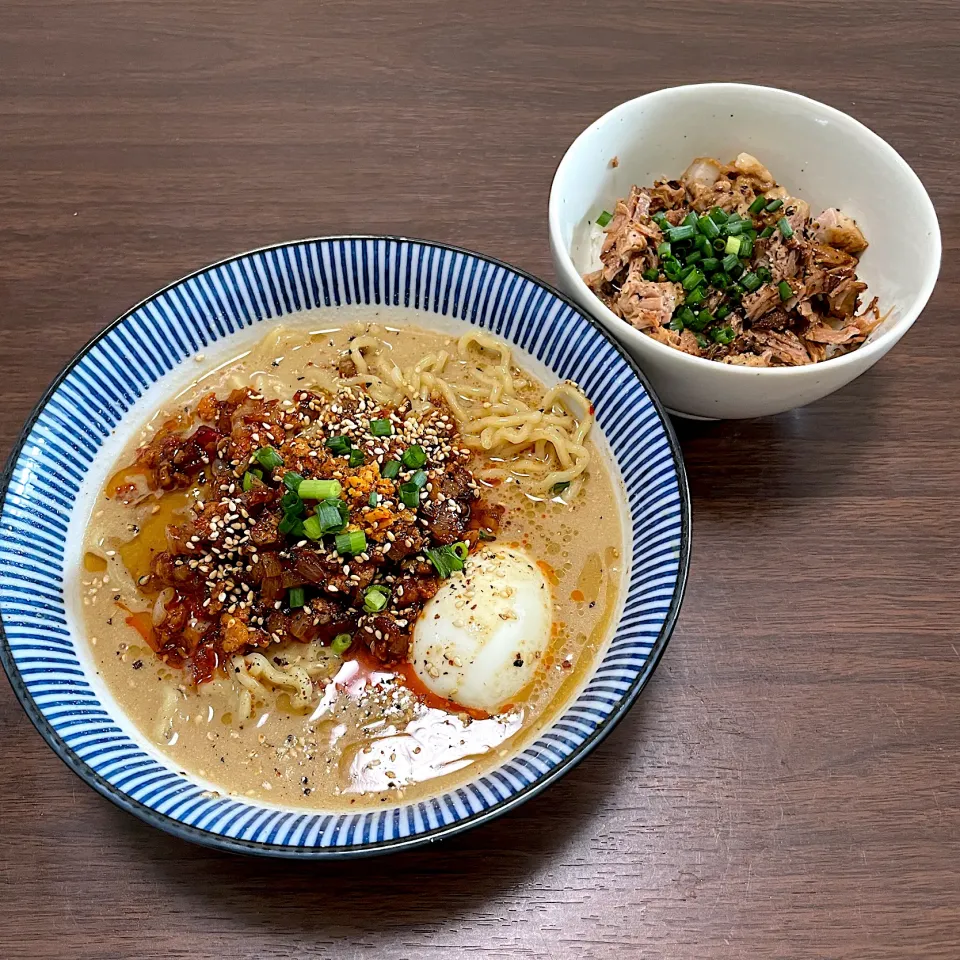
329,716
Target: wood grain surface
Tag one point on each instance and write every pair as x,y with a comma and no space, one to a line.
788,786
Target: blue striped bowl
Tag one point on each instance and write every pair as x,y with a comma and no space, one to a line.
126,370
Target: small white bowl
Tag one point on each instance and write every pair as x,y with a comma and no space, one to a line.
817,153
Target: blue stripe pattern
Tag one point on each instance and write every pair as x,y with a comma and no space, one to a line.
95,394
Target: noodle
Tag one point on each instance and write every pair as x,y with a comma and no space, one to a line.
536,446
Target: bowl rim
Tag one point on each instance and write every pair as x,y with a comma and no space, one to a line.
871,351
208,839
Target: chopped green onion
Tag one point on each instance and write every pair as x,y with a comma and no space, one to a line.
723,335
356,458
774,205
390,470
736,271
730,260
341,643
687,317
375,598
320,489
414,456
559,487
709,264
485,535
719,216
784,224
462,550
694,257
702,244
409,495
332,516
381,428
676,324
732,246
692,279
720,280
708,228
680,233
786,291
751,281
351,542
746,247
652,274
419,479
268,458
740,226
734,217
291,524
671,269
696,296
699,320
446,560
296,597
690,220
723,311
664,249
758,204
702,341
605,217
338,445
374,498
764,274
312,528
720,245
292,480
766,232
660,218
250,477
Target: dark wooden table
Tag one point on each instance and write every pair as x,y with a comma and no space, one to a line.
789,785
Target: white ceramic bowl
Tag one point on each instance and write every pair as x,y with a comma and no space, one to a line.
817,153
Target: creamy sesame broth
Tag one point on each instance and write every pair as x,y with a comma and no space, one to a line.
301,697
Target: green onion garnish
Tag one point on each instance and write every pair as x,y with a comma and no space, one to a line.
671,269
687,317
758,205
702,244
786,291
736,271
390,470
732,246
320,489
723,335
766,232
605,217
676,324
723,311
717,215
738,227
746,247
709,264
690,220
764,274
680,233
375,598
381,428
708,227
409,495
356,458
292,480
692,279
702,341
312,528
696,296
774,205
341,643
268,458
694,257
751,281
351,542
784,224
296,597
730,260
332,516
414,456
652,274
559,487
338,445
448,559
664,249
250,477
720,245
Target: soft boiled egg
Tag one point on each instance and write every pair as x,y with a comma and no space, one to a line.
480,640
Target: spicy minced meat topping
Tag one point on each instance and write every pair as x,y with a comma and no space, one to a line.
326,517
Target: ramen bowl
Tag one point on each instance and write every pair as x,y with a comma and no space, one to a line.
818,154
93,409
